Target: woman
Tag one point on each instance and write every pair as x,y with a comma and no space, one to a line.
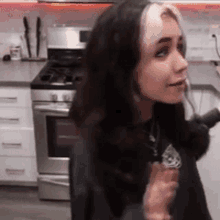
130,114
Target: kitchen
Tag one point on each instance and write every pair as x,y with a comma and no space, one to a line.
201,22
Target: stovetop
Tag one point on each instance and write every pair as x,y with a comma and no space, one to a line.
56,76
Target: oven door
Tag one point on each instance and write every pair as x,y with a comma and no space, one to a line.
55,135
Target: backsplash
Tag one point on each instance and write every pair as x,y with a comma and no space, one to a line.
200,24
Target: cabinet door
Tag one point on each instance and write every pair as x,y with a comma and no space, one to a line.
195,98
209,101
15,97
17,142
16,117
18,169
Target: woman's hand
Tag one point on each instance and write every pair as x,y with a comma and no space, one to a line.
160,191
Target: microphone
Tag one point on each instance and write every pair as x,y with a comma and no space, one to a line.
210,118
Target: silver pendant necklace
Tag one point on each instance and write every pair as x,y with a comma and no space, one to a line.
170,157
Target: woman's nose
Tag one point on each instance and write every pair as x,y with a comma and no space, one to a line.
180,63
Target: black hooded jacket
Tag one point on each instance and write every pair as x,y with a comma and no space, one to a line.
120,199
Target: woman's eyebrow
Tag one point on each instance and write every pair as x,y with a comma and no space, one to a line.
168,39
164,40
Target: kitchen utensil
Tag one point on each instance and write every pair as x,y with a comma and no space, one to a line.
25,21
38,33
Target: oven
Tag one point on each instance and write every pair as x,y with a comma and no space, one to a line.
53,91
55,135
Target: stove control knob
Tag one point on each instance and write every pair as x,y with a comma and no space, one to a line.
54,97
66,98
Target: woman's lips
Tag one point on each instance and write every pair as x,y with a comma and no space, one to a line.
178,83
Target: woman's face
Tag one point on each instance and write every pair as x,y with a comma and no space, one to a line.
162,69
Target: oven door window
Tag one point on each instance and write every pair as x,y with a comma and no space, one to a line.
61,136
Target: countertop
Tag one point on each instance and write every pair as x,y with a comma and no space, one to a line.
202,74
19,73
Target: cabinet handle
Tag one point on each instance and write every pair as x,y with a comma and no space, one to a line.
12,145
8,99
68,137
9,120
15,171
56,182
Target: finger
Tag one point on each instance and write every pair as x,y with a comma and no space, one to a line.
160,173
175,176
173,186
163,167
171,175
154,170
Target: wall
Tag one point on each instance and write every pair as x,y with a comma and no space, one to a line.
199,26
12,28
200,22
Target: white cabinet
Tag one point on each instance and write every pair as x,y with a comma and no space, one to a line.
17,143
16,117
22,169
195,97
209,101
15,97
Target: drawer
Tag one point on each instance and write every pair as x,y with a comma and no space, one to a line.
15,97
17,142
18,169
16,117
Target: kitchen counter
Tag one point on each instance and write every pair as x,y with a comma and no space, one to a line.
202,74
19,73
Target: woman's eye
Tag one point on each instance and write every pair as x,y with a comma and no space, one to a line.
162,52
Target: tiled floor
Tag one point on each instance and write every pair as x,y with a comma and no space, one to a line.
22,203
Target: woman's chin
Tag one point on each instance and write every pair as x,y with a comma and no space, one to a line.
174,100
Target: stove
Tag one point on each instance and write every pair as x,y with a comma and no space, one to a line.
59,75
53,91
65,51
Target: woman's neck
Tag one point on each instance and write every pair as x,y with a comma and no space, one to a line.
144,110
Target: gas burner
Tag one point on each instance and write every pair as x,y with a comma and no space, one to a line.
60,73
58,78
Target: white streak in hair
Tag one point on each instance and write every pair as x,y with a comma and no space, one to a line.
177,13
151,24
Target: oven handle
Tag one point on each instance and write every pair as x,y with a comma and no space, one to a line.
46,108
55,182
